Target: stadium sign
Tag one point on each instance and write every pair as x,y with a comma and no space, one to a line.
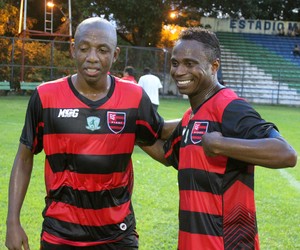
268,27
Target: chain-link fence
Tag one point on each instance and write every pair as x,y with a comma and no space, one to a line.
33,60
37,60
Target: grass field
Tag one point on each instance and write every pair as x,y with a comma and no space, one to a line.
155,197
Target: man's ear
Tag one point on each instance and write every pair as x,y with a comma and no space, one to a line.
116,54
215,66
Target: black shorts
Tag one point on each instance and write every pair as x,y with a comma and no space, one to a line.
130,242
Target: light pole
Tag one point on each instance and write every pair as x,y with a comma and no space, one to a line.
70,19
23,31
23,17
48,25
50,5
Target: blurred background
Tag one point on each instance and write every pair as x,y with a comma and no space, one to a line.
257,40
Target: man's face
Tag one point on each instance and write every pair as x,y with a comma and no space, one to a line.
190,67
94,52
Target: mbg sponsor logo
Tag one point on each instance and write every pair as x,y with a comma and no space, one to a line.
68,113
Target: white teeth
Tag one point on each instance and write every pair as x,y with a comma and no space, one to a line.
91,70
184,82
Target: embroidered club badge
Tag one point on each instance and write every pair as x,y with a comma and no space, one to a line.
199,129
116,121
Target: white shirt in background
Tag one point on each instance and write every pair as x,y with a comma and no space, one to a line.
151,84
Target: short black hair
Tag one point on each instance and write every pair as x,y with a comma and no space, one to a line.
147,70
129,70
206,37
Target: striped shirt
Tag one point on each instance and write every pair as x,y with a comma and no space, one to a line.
217,207
88,168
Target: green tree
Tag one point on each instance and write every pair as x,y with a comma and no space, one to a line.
250,9
138,22
9,20
33,57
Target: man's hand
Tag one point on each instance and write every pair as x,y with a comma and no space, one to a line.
16,238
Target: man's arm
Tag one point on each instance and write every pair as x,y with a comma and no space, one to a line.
19,181
156,151
267,152
168,128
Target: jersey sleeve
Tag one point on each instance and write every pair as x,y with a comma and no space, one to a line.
149,122
241,120
172,146
32,133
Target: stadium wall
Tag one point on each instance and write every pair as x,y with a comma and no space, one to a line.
267,27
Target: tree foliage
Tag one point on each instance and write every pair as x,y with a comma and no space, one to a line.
140,23
35,55
9,20
249,9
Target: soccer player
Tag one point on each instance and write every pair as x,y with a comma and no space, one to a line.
87,124
215,147
128,74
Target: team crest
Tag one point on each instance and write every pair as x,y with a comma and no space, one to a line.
93,123
199,129
116,121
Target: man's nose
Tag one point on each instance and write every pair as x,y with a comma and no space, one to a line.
92,55
180,70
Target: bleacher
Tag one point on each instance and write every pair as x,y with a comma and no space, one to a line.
280,45
261,68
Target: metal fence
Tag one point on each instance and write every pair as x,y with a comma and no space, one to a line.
33,60
37,60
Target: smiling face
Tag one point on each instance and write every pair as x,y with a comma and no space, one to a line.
95,50
192,68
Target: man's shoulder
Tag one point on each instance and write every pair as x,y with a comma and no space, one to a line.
150,77
52,86
127,85
127,79
56,81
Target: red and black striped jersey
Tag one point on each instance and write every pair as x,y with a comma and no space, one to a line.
88,168
217,207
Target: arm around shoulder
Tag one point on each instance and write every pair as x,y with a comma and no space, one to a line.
168,128
156,151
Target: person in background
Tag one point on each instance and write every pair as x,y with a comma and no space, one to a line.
87,124
281,32
128,74
215,147
296,50
151,84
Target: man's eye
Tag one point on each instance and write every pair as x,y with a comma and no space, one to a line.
103,50
83,49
